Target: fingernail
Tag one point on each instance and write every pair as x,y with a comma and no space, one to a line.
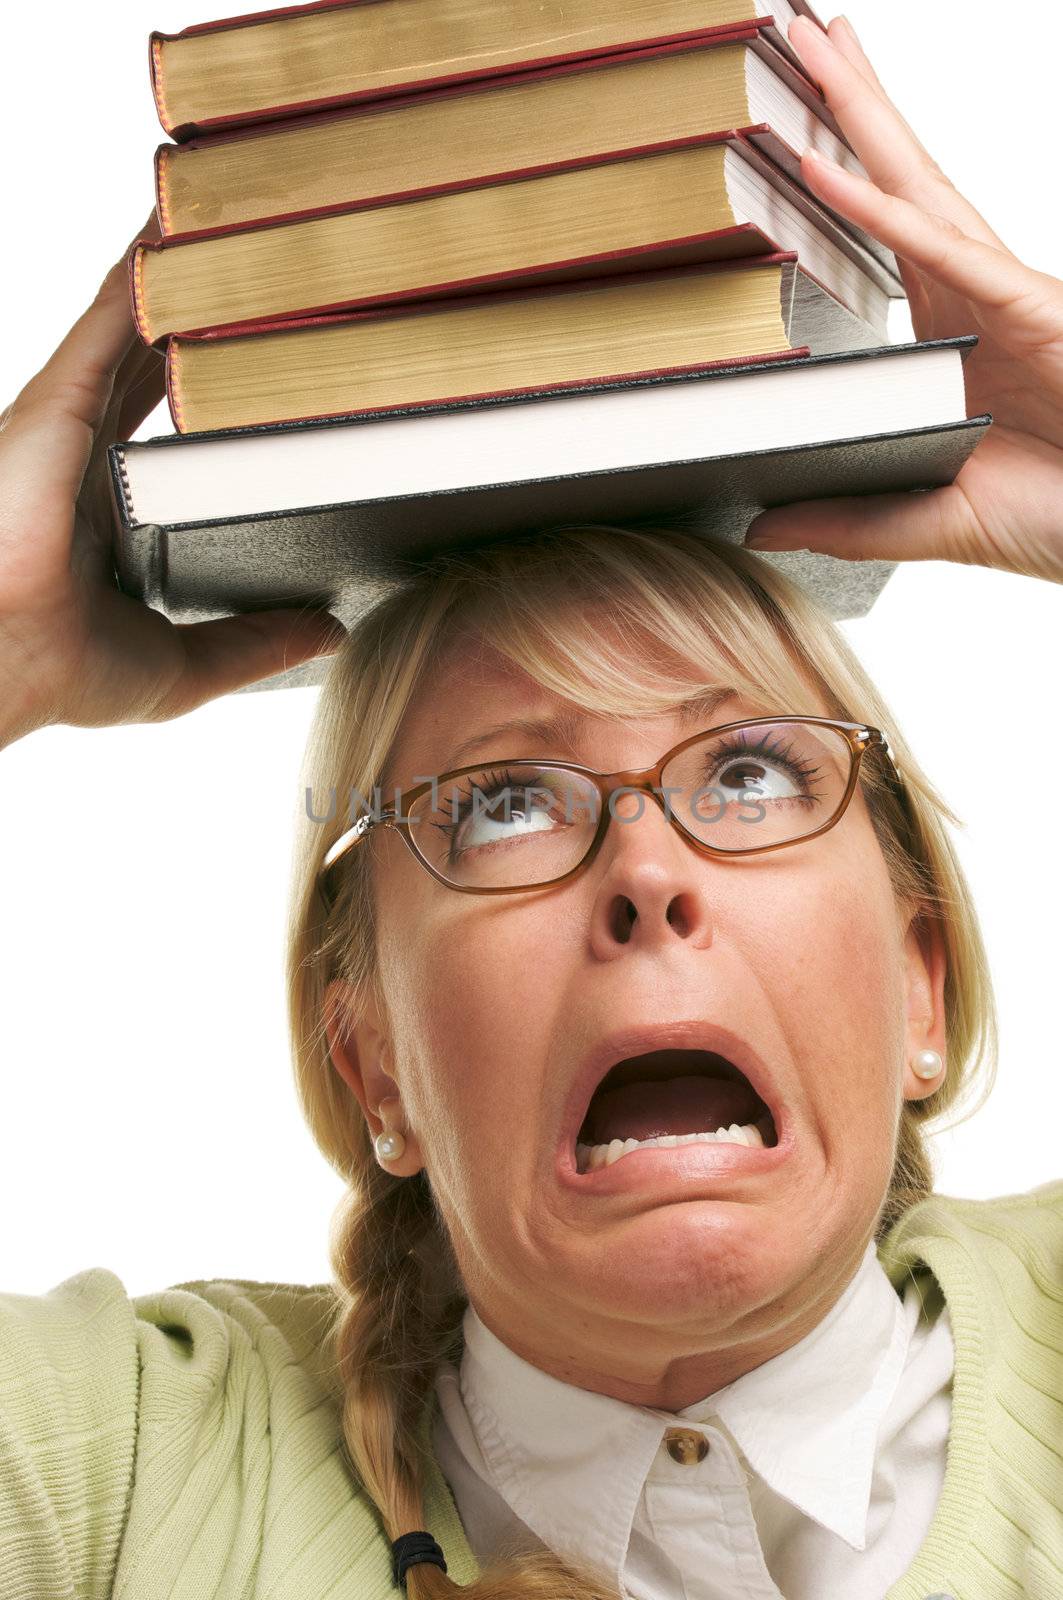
761,541
818,159
805,25
850,30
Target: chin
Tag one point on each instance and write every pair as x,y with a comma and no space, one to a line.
701,1264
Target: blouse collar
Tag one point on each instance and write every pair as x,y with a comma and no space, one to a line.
807,1421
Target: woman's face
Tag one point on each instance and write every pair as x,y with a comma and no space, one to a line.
674,1285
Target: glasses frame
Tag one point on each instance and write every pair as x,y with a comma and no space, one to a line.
639,780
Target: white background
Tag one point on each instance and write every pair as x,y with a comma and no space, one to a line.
147,1121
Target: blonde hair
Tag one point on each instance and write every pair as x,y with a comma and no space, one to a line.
686,614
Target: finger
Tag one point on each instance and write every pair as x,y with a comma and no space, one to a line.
917,294
919,302
888,149
842,35
139,385
141,398
230,652
70,395
104,335
138,388
936,525
938,246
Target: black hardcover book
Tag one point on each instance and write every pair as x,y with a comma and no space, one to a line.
330,513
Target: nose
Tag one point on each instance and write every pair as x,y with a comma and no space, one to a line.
652,887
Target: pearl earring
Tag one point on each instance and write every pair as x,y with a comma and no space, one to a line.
927,1064
389,1146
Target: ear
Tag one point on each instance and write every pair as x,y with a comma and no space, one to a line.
361,1054
926,963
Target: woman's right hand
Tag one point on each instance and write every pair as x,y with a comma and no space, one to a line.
73,648
1002,510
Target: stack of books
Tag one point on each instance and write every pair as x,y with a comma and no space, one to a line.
438,270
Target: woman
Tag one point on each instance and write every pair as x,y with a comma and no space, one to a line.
768,1362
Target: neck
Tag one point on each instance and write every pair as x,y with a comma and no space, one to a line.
663,1369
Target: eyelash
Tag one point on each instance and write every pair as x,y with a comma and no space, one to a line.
796,768
500,778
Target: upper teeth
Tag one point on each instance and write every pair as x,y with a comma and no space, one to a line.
590,1156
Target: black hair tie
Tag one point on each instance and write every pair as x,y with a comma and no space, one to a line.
410,1549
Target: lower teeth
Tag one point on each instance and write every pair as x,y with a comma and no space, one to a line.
591,1156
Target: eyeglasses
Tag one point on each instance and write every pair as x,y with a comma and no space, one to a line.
518,824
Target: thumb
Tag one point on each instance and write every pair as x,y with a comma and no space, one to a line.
917,525
229,652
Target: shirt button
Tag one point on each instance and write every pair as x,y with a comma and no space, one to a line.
686,1445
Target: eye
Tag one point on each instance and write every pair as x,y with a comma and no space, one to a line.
502,813
766,770
764,781
503,808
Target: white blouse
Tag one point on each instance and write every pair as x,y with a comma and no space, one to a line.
822,1470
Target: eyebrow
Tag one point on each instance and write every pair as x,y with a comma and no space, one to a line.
563,728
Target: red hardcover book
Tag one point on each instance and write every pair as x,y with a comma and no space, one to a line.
629,209
265,65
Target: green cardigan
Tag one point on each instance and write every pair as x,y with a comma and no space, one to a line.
185,1445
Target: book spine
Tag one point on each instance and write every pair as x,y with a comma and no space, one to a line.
136,293
162,197
174,395
158,90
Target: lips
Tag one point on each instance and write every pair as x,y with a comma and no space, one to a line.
739,1060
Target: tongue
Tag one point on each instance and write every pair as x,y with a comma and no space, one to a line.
671,1105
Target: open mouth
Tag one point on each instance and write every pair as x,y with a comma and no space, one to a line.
668,1098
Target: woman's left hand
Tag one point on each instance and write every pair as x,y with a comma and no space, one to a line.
1005,508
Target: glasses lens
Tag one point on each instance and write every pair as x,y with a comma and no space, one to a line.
504,827
762,784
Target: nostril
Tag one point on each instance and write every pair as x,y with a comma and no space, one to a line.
623,918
